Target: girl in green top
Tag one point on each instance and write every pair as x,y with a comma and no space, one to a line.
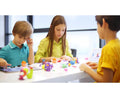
55,43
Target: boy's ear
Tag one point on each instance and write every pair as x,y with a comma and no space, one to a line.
104,23
13,33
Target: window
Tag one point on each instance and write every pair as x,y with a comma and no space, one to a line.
13,19
42,21
37,37
73,22
81,34
11,22
81,31
80,22
83,41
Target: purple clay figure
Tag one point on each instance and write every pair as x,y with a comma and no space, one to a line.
48,66
40,65
77,60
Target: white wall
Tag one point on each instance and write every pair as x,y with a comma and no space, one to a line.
1,31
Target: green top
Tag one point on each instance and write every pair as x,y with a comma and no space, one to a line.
57,49
14,55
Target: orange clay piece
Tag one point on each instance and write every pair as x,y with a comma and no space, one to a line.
23,64
54,60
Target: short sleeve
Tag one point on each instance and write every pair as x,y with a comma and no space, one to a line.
109,60
42,48
3,53
68,51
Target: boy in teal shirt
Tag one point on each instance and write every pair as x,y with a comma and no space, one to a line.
16,51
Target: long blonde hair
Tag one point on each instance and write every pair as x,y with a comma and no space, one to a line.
58,19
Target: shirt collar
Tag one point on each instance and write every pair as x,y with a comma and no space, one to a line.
58,42
12,45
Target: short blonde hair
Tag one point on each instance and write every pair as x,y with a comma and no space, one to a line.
22,28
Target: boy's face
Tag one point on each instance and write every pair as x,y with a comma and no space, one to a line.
100,31
19,40
59,31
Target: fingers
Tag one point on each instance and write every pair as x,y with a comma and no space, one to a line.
91,63
8,64
94,67
88,62
67,58
29,41
62,57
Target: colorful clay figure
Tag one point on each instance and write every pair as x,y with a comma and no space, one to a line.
25,71
48,66
76,60
54,60
23,64
72,62
69,64
64,65
59,61
43,61
30,74
43,66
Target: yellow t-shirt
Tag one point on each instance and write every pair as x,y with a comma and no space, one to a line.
110,58
57,49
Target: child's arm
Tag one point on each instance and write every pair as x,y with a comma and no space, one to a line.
3,63
47,59
31,53
64,57
106,77
93,65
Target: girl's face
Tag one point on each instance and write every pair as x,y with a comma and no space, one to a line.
59,31
100,31
19,40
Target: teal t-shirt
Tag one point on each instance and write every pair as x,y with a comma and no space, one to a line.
14,55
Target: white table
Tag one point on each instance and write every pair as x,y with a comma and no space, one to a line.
57,74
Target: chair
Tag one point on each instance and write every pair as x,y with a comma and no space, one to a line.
74,52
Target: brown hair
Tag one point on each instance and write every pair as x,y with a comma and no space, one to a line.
58,19
22,28
112,20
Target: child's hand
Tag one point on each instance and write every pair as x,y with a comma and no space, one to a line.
29,42
65,58
83,67
93,65
3,63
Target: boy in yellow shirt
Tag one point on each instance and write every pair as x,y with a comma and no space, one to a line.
55,44
108,69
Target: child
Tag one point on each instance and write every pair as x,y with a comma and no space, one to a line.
16,51
108,69
55,44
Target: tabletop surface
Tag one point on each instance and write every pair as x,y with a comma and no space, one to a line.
57,74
